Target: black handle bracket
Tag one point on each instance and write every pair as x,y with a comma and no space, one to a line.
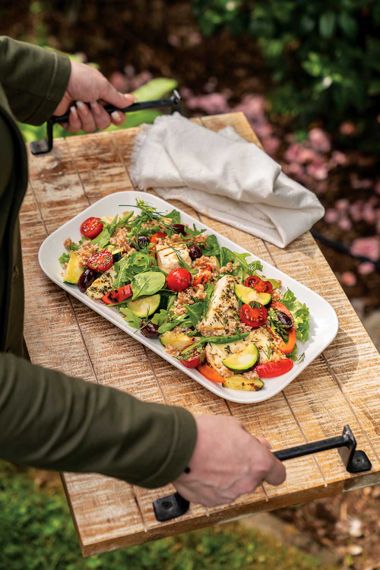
355,461
44,146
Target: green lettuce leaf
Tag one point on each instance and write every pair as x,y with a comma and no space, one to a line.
300,314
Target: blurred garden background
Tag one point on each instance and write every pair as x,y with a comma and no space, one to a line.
307,76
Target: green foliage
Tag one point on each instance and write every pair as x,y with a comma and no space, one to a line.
36,533
324,56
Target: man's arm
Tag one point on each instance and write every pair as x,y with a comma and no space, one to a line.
52,421
33,79
39,83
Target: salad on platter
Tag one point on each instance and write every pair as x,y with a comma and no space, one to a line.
210,307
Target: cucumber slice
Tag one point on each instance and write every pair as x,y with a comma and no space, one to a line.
74,269
176,340
248,295
145,306
238,382
243,360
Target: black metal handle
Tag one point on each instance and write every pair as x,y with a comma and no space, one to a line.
155,104
355,461
46,145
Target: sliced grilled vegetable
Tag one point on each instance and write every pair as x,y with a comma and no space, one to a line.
145,306
74,269
211,374
276,283
118,295
258,284
239,382
157,236
249,295
272,369
244,360
177,340
288,346
192,362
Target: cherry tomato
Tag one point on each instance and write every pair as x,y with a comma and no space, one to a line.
273,369
91,227
100,261
254,317
192,362
178,279
158,235
117,295
258,284
210,373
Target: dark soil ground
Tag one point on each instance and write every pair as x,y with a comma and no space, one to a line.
154,38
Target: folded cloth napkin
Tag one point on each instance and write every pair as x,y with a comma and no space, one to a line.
224,177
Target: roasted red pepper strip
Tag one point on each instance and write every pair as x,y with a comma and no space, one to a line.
258,284
192,362
273,369
288,347
210,373
117,295
158,235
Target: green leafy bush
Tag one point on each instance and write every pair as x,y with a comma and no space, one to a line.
36,533
324,56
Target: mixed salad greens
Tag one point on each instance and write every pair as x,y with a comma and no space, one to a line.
210,307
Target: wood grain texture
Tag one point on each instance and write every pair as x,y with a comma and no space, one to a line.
341,386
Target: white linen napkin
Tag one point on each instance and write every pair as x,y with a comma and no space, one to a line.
224,177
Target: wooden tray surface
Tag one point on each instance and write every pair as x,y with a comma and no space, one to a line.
340,387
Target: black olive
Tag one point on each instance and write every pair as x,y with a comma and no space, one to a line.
286,321
179,229
195,252
86,279
143,241
149,330
116,257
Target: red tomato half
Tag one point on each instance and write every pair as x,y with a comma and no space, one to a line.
178,279
273,369
258,284
155,237
254,317
91,227
117,295
100,261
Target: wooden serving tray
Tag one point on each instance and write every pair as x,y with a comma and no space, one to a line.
340,387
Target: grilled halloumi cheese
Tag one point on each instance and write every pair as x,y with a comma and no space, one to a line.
170,257
262,338
101,285
223,311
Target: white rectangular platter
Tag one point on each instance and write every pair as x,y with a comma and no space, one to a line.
323,326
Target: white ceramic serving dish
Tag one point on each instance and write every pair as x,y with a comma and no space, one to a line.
324,322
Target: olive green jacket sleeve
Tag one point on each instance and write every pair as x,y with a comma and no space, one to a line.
55,422
33,79
48,419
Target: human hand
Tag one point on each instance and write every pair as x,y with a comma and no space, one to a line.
227,462
88,85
